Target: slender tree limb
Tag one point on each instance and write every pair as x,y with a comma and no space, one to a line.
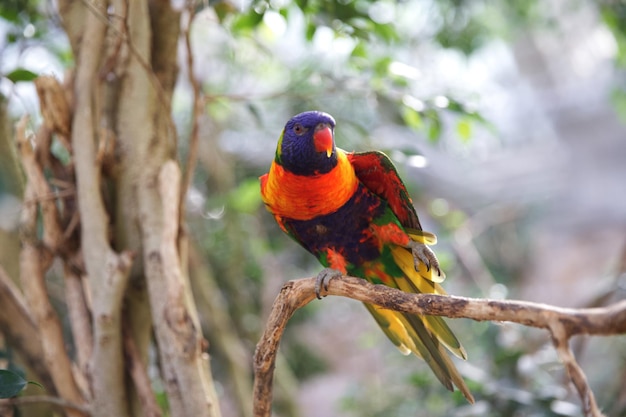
72,15
34,261
293,295
57,119
54,108
192,156
560,339
563,323
165,23
181,345
80,321
18,326
139,375
52,233
138,53
47,399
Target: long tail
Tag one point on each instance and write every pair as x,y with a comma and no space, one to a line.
422,335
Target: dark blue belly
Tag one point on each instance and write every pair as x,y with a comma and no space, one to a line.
346,231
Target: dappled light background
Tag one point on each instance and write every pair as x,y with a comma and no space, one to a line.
508,124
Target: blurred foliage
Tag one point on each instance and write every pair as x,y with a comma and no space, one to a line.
614,15
367,63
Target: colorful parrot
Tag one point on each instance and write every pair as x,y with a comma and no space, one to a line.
353,212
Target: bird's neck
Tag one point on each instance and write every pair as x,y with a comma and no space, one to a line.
303,197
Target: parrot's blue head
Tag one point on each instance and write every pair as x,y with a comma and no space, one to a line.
307,144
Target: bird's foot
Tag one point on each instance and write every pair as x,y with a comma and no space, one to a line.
422,253
323,279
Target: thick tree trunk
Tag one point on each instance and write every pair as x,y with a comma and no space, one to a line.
119,233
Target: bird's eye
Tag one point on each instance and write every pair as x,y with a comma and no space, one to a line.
298,129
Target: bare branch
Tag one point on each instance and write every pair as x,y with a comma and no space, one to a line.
560,340
80,319
54,108
46,399
52,233
34,261
293,295
177,328
197,109
57,118
138,52
17,324
139,374
562,323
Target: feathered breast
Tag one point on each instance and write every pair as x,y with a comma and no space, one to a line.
302,197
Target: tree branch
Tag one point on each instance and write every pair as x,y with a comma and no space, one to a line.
177,327
19,327
563,323
192,155
108,272
47,399
560,340
34,262
140,377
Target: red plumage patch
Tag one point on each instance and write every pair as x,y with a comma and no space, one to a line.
376,171
336,261
390,234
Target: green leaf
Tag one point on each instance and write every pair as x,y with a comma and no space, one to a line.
455,106
302,4
11,384
464,129
21,74
434,131
381,66
247,22
434,127
360,50
386,32
310,31
412,118
9,13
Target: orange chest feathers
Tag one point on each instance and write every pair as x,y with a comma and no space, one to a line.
306,197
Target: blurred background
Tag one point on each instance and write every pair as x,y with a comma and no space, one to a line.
507,121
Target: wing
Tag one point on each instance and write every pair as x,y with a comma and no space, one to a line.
376,171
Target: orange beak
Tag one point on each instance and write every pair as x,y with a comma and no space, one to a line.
323,139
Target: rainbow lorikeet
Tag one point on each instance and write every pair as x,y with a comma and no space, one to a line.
353,212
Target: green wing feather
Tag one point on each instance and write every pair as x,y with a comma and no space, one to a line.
426,336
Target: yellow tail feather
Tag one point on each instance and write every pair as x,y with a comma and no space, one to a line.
422,236
410,334
425,336
415,282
